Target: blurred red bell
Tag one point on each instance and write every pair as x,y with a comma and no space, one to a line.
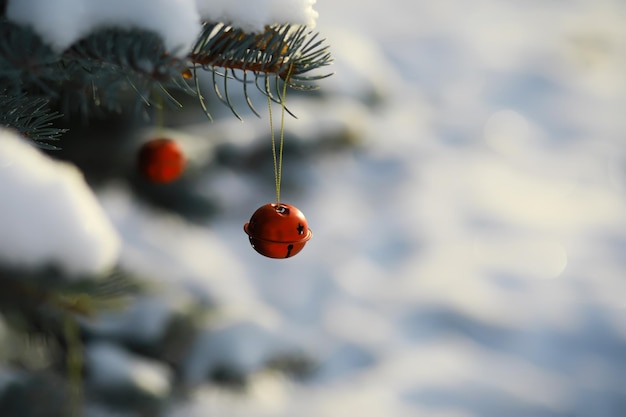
278,230
161,160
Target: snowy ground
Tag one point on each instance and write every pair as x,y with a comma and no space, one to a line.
467,260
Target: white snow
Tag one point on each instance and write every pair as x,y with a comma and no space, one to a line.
61,24
245,345
176,254
48,214
112,367
178,22
254,15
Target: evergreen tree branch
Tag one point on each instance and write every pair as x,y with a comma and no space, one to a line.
113,68
282,52
31,117
31,292
287,52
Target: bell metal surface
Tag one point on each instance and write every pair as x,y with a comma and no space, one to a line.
278,230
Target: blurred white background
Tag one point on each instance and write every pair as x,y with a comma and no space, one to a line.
468,256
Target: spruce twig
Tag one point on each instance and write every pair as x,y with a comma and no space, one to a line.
31,117
284,52
113,67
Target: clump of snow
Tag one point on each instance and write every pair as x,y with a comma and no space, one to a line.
244,345
111,366
178,22
49,215
175,253
143,322
62,23
254,15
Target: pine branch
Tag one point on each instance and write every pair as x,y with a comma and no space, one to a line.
47,290
31,117
112,65
285,52
271,52
26,63
106,70
113,68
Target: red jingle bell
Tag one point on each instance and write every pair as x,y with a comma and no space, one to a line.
161,160
278,230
